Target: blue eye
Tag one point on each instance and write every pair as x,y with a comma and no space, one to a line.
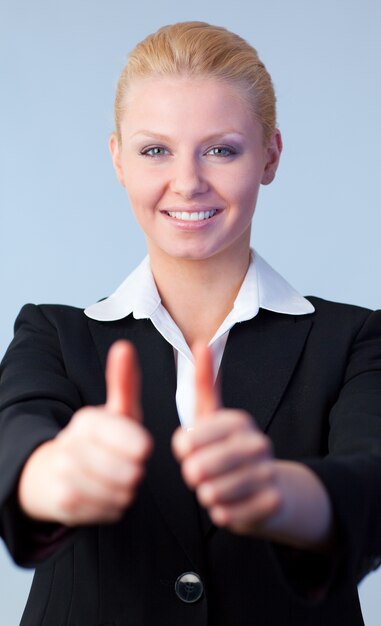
154,151
222,151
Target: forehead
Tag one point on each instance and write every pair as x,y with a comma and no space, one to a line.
186,103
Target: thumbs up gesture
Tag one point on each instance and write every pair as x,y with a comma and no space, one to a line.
91,471
226,459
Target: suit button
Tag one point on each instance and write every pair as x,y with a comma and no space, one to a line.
189,587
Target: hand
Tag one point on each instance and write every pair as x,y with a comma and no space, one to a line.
230,465
226,459
91,471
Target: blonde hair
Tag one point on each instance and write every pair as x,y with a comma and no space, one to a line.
198,49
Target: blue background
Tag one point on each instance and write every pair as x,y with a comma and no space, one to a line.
66,231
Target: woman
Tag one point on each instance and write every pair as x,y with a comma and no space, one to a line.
267,512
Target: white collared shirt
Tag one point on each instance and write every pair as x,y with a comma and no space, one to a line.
262,288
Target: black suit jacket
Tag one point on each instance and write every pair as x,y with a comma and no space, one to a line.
313,383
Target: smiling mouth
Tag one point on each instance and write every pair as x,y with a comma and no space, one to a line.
191,216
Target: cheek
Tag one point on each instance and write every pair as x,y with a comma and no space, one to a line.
247,193
244,184
142,191
251,195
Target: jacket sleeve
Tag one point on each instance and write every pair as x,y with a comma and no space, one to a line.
351,473
37,400
352,470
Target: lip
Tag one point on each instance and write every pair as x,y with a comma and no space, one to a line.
194,208
190,224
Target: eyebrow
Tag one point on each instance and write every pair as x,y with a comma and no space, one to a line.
153,134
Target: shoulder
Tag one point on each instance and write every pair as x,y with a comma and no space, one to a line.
54,326
44,316
50,311
327,310
330,307
346,322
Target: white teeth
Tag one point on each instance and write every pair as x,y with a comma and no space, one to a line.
192,216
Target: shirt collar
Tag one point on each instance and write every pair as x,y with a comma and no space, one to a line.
276,294
137,294
262,287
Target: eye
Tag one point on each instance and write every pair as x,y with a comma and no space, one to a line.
222,151
154,151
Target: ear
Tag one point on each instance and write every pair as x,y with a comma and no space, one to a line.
273,152
115,150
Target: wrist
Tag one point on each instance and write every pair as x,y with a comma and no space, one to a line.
304,517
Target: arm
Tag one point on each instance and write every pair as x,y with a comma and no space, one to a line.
350,474
43,434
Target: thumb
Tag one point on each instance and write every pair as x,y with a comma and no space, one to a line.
207,396
123,380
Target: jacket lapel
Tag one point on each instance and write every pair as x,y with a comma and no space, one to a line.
176,502
259,360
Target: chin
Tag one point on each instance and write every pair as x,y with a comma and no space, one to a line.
192,253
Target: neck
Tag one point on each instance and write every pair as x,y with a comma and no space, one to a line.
199,294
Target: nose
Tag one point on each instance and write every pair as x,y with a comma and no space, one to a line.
187,178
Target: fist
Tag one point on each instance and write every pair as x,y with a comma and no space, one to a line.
226,459
91,471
